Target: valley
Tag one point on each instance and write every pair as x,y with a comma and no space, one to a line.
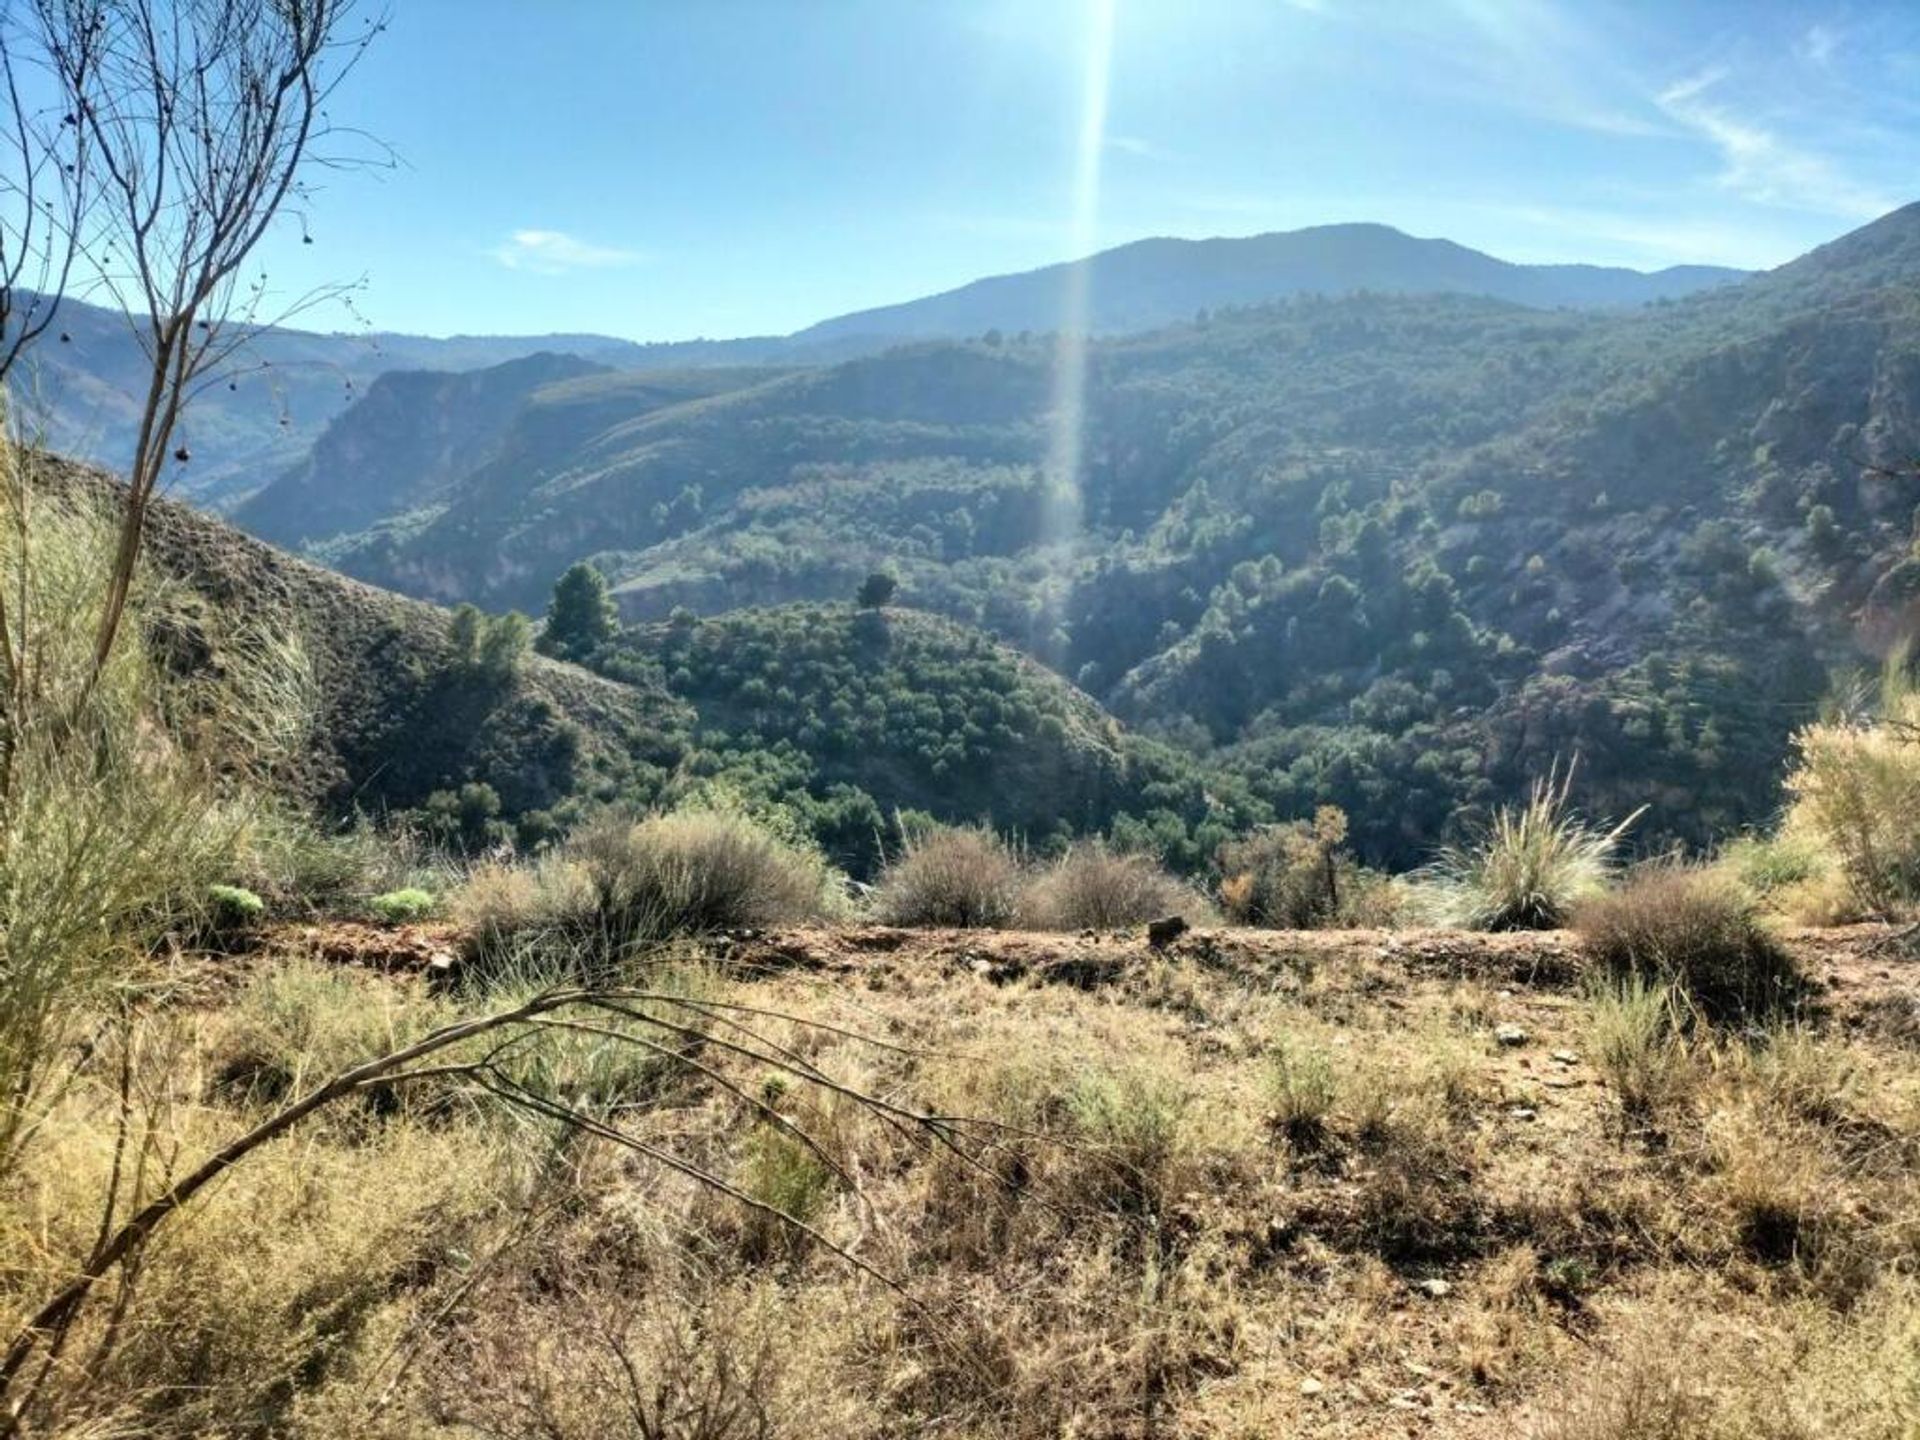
1114,808
1393,553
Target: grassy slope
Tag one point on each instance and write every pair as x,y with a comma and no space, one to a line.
396,722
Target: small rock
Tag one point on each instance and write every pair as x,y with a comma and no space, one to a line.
1509,1034
1162,933
1433,1289
1521,1112
1559,1082
1311,1387
1565,1057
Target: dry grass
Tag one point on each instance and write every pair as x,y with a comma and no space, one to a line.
1697,932
1213,1201
1094,888
961,877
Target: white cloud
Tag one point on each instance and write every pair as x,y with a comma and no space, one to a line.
1819,43
1136,146
554,252
1757,165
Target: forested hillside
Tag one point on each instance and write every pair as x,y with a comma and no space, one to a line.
1392,552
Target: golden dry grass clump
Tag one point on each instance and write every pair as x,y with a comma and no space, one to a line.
1093,887
961,877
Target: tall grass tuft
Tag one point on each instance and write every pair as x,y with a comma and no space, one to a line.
1531,866
125,787
1634,1032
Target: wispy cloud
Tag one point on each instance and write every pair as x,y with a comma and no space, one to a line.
554,252
1819,43
1136,146
1757,165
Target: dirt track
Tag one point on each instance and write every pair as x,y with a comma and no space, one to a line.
1869,974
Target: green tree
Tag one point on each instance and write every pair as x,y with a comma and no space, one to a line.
581,616
464,629
504,643
876,590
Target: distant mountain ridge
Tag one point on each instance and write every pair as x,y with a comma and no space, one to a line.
289,384
1150,283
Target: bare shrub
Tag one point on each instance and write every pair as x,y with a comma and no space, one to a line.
963,877
1699,933
1094,888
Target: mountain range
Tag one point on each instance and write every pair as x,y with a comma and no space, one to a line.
1397,550
253,423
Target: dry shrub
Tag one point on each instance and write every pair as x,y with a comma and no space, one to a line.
1855,785
962,877
1297,876
1531,867
617,886
1094,888
677,1355
699,871
1696,931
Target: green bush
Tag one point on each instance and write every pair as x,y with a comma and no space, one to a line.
1696,931
230,907
1297,876
960,877
402,907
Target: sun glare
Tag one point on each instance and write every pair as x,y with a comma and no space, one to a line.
1067,433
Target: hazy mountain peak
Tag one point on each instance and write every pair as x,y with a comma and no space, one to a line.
1149,283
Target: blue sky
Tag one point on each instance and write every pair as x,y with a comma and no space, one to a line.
660,169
